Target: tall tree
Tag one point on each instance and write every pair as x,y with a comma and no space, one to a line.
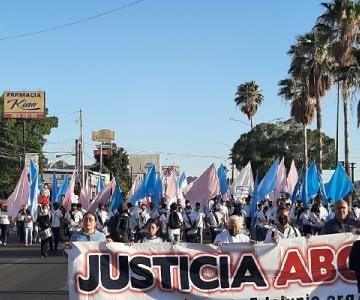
302,107
268,141
342,20
312,63
12,147
248,98
117,165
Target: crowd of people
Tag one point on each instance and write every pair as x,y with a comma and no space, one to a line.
219,221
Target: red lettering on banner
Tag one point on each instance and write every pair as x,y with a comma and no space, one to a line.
321,264
342,264
292,270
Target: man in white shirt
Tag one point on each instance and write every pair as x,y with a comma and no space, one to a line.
233,233
56,217
200,216
73,219
283,230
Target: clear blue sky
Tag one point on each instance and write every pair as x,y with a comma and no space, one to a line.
162,73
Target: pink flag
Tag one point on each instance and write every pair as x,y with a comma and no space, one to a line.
170,193
19,196
84,198
292,178
69,193
134,188
104,197
205,187
280,181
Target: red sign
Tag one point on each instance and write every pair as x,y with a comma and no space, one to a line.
104,152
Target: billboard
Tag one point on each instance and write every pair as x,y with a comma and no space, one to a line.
24,105
103,136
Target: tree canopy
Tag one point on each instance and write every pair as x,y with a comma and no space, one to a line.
12,149
117,165
268,141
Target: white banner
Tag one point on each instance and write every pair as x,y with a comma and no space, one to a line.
301,269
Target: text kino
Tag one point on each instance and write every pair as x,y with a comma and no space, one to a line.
23,104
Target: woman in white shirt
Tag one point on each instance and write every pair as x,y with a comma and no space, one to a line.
4,225
28,224
152,230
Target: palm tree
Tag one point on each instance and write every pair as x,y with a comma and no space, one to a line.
342,20
302,105
311,64
248,97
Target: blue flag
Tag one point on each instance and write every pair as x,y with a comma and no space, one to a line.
339,185
117,198
100,185
268,183
63,189
158,194
34,189
311,185
181,180
254,199
222,180
54,189
40,184
147,187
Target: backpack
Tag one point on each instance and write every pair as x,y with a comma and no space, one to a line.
174,220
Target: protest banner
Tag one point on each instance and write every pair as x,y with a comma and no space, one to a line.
300,268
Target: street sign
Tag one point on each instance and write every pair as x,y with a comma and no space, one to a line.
34,157
105,152
103,136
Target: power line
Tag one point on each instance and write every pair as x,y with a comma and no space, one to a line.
58,27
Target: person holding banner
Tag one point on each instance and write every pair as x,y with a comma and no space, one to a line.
354,261
152,232
283,229
234,232
88,232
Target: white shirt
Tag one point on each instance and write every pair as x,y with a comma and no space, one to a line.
154,213
304,217
77,218
323,212
189,215
289,232
315,220
28,223
247,209
225,211
199,219
216,222
260,219
4,218
156,240
56,216
225,237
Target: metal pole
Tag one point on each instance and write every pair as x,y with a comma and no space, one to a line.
101,158
24,141
337,122
82,158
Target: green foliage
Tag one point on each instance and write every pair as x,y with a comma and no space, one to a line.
267,141
12,150
117,166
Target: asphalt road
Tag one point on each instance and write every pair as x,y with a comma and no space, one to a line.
25,274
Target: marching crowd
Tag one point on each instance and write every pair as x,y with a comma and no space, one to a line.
219,221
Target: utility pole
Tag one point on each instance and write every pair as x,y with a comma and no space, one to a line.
77,155
352,168
101,158
81,156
